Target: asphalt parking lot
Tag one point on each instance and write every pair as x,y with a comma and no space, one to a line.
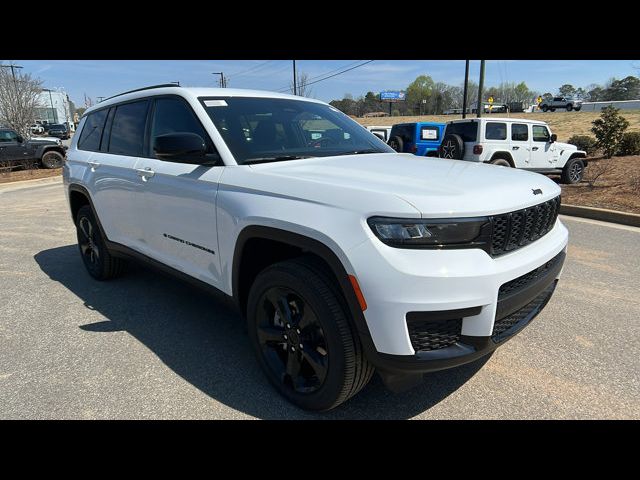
147,346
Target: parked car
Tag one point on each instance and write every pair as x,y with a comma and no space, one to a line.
59,130
343,256
15,151
567,103
513,142
36,129
382,132
419,138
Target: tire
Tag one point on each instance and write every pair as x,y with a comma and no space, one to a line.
552,109
569,107
93,250
452,147
577,109
396,143
52,160
573,171
545,108
501,162
331,366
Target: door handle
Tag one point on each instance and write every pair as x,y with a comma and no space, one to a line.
145,172
534,148
515,148
94,165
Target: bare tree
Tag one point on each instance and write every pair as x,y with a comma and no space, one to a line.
303,85
19,99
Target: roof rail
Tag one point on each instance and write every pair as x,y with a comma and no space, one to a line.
162,85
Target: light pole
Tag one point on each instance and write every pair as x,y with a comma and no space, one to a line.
480,88
51,100
13,73
222,84
295,80
466,85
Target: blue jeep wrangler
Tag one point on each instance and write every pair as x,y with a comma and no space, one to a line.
420,138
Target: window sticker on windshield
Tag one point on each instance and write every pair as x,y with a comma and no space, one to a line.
429,134
215,103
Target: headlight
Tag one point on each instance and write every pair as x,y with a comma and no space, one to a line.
432,233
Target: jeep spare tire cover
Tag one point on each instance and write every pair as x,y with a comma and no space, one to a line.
452,147
396,143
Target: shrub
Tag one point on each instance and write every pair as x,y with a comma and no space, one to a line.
630,144
584,142
609,129
395,113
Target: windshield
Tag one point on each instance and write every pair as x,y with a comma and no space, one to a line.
274,129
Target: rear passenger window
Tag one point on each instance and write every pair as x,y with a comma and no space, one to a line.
429,133
127,131
92,131
496,131
519,132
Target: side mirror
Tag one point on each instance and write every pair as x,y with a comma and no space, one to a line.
554,138
181,147
20,139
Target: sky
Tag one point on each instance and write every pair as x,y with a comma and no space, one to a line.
104,78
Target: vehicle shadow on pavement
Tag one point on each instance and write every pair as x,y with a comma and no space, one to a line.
204,342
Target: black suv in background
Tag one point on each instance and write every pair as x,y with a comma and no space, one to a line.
15,151
59,130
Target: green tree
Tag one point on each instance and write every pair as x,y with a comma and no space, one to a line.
567,90
626,89
595,93
420,89
609,130
580,93
521,93
547,96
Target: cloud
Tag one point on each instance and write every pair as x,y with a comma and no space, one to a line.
44,68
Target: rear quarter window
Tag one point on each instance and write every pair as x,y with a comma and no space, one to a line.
467,130
92,131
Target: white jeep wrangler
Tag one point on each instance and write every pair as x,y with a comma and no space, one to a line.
343,256
513,142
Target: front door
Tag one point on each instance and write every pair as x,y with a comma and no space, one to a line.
543,152
179,205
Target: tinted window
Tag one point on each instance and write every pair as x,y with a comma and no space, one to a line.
467,130
174,115
92,131
429,133
519,132
8,136
540,133
496,131
404,131
127,131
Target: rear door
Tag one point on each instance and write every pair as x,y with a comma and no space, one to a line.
429,138
112,140
179,203
521,145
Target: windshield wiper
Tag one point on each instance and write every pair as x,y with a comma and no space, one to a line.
358,152
281,158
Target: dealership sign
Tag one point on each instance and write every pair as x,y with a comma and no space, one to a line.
392,96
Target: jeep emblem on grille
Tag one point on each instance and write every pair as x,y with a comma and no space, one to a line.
536,191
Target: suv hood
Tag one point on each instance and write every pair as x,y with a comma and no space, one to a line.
435,187
565,146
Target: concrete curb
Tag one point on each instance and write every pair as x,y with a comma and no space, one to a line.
10,186
613,216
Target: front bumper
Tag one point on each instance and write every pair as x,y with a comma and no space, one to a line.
398,283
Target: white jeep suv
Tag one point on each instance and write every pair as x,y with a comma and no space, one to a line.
343,256
513,142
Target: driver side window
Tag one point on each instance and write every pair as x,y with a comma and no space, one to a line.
7,136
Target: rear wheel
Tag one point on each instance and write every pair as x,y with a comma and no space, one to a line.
396,143
97,259
501,162
573,171
299,328
52,160
452,147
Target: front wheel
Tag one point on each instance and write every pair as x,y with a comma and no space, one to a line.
545,108
299,328
569,107
52,160
573,171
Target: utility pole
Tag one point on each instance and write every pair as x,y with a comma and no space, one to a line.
480,87
53,113
13,73
295,80
222,82
466,86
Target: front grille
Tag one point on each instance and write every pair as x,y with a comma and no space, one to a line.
511,324
433,335
524,280
517,229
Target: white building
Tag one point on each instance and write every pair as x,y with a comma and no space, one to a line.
56,107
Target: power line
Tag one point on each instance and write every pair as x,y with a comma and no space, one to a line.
282,90
251,69
324,74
